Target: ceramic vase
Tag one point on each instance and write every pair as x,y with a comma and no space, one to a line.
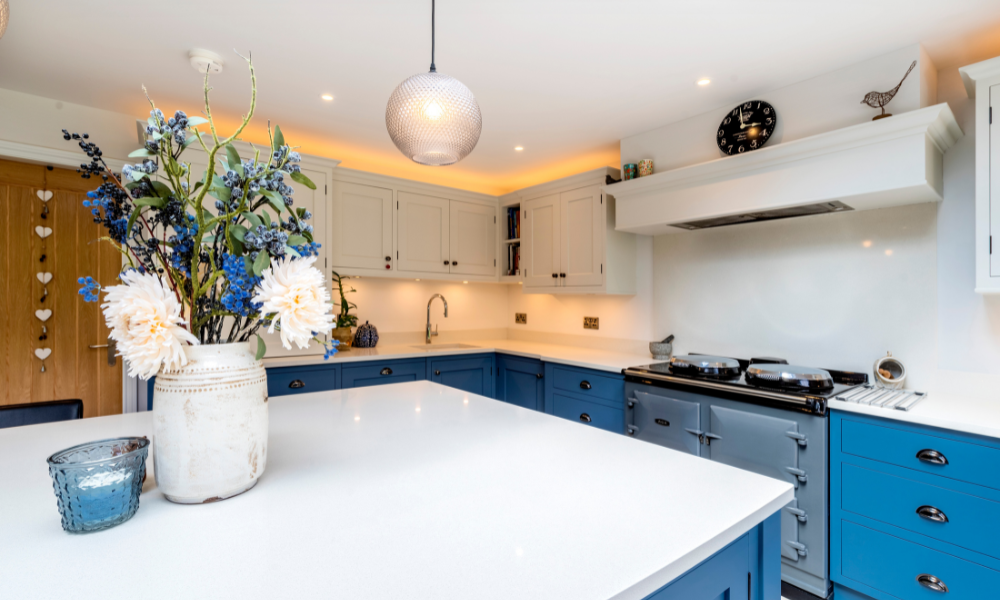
210,424
344,336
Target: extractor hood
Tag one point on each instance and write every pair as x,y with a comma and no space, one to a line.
889,162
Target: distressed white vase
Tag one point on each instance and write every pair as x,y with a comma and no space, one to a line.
210,424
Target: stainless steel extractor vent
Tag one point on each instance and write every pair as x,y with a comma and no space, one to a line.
766,215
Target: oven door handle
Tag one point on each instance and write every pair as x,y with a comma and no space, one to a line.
799,474
798,437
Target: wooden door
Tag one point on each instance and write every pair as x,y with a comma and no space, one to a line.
582,249
423,235
473,238
540,241
73,369
362,227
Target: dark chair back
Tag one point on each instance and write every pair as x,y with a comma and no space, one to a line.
33,413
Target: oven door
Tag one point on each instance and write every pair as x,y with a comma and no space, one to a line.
666,421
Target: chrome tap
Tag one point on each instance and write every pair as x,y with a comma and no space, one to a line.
429,332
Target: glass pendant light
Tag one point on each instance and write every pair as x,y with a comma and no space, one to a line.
432,118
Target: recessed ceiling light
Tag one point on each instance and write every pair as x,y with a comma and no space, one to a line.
704,81
327,97
518,148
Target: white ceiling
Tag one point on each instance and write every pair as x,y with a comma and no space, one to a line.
566,79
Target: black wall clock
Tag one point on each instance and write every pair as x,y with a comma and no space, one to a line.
747,127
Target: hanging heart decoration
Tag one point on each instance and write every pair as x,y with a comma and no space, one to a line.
44,195
45,278
43,232
43,353
43,315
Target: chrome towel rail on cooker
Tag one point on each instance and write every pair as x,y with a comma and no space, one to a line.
872,395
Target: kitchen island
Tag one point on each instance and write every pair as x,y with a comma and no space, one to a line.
410,491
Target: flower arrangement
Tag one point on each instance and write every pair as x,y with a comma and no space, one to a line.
205,275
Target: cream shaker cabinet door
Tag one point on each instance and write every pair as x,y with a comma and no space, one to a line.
362,226
423,233
473,238
995,181
540,232
582,228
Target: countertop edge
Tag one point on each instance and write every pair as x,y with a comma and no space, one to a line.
916,418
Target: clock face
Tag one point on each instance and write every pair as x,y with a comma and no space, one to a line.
747,127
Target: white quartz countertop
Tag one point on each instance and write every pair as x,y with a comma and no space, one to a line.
957,412
411,490
588,358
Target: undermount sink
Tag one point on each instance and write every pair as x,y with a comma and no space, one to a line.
433,347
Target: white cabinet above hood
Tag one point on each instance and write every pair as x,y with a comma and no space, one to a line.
889,162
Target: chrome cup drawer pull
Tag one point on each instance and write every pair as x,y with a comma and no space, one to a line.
932,514
932,456
385,371
297,384
585,418
932,583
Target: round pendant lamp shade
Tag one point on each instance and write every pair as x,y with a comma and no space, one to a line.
433,119
4,15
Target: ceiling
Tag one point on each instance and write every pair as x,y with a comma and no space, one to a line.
565,79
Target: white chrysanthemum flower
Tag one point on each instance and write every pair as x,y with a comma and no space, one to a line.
145,321
294,295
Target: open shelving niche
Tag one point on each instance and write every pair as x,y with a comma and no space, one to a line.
507,242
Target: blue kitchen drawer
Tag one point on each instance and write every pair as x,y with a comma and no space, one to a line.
520,381
590,413
894,445
891,565
473,374
285,381
595,385
972,522
383,372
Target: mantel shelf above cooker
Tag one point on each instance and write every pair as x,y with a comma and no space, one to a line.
889,162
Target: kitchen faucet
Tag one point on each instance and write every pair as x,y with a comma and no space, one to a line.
429,332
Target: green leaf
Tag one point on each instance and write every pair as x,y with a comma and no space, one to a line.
237,248
233,158
152,121
195,121
300,211
154,202
253,219
275,199
278,140
161,189
261,348
238,231
293,251
299,177
189,140
140,152
308,236
132,218
296,240
208,239
157,136
247,265
262,262
266,217
222,193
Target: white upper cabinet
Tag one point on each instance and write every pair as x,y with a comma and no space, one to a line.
362,226
982,82
581,249
540,247
473,238
423,234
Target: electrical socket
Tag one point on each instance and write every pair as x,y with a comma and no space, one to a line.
591,323
521,318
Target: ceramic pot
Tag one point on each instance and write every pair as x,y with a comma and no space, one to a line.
630,171
344,336
645,167
210,424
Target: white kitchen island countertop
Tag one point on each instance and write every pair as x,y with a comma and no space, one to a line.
411,490
589,358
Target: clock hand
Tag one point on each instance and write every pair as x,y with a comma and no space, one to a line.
741,118
745,125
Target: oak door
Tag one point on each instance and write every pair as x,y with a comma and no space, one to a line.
540,246
77,368
423,235
581,249
473,238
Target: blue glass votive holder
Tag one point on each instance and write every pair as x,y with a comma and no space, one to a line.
97,484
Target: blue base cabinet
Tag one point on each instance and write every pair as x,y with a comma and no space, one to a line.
914,511
383,372
303,380
473,374
520,381
595,398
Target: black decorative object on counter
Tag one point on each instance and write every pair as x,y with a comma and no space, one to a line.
366,336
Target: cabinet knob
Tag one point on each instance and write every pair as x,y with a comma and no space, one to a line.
454,263
437,372
932,456
446,263
932,583
562,275
555,275
585,418
297,384
539,375
388,259
932,514
385,371
585,385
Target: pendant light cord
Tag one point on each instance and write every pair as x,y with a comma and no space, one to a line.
433,68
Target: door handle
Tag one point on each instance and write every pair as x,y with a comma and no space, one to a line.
799,513
932,456
95,347
932,514
798,437
111,350
385,371
585,385
800,549
585,418
708,437
932,583
437,372
799,474
297,384
631,429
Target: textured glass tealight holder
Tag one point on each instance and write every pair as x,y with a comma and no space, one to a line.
97,484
